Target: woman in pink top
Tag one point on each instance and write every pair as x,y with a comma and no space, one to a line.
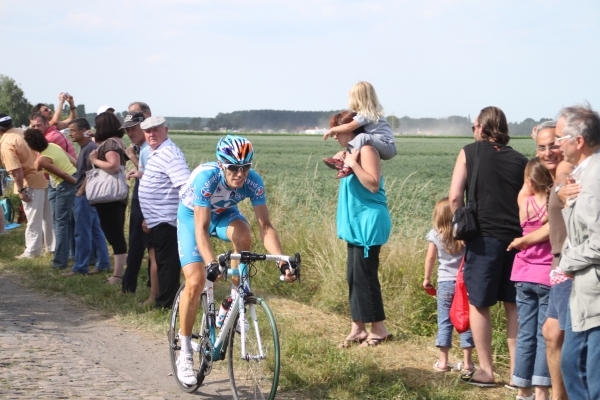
531,274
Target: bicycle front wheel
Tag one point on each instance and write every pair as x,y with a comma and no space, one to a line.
175,341
255,374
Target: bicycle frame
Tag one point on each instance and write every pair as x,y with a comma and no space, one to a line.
237,307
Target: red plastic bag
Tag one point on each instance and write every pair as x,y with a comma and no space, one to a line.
459,311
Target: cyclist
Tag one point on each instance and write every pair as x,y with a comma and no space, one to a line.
208,207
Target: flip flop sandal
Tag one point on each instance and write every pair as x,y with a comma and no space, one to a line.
468,379
438,369
349,343
372,342
511,387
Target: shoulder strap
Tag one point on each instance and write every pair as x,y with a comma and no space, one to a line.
471,194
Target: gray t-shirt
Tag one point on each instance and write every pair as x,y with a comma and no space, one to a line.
448,263
82,162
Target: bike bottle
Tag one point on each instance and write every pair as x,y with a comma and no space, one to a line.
225,306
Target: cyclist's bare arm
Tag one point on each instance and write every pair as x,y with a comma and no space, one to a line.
269,236
201,226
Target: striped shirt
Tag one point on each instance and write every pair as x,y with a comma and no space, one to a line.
165,173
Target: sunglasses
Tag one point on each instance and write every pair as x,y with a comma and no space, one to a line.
237,168
475,127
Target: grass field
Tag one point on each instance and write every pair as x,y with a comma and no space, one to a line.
314,316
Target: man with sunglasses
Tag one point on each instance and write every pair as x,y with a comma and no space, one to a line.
53,118
209,208
165,172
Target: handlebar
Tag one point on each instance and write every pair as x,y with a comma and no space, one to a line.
247,257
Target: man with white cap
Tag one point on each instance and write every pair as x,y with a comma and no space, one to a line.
164,174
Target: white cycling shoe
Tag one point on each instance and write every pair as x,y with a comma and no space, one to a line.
185,370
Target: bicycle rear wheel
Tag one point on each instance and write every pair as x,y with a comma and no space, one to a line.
252,376
175,341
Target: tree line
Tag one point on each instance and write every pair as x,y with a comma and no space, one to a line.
14,103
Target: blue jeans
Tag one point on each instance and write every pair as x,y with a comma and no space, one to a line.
579,362
445,294
531,366
88,231
62,211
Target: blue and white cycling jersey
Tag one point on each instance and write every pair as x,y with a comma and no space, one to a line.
206,188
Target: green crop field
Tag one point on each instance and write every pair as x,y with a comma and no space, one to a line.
314,316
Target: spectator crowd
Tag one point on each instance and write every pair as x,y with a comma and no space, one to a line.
537,249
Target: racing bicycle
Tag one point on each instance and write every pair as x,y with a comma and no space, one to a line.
248,338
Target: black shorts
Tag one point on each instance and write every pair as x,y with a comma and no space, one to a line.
487,272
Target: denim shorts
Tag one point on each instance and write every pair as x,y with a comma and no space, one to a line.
186,236
558,306
487,272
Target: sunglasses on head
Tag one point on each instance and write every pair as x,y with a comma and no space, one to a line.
237,168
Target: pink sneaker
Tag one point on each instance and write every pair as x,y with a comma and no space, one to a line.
344,172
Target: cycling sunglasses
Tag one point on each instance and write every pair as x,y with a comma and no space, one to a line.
238,168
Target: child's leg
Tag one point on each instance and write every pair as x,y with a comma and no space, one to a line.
445,294
467,344
386,146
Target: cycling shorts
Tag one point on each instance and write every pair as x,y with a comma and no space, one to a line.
186,237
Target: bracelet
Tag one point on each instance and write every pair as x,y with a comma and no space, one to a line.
72,108
558,188
24,188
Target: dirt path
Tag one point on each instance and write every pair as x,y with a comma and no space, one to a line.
50,348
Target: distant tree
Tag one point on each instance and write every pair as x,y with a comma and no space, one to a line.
393,121
13,101
81,111
196,124
181,126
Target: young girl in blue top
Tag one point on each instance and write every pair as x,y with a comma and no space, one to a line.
449,253
369,114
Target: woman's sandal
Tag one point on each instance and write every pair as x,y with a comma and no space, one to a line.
108,282
373,341
349,343
438,369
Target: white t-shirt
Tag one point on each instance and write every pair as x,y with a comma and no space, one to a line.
448,263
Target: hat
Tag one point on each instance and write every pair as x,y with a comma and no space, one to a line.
105,109
152,122
5,118
133,120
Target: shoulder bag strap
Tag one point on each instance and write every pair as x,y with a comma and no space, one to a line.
471,194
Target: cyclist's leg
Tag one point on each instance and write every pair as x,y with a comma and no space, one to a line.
193,269
195,279
232,226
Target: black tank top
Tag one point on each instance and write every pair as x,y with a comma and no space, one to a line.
499,180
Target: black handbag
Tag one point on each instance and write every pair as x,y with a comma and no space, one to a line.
464,220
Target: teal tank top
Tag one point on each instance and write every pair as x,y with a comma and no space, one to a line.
363,218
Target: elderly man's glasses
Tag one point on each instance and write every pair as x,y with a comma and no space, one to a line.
551,147
560,139
238,168
475,127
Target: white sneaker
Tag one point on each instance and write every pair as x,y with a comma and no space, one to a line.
185,370
240,323
23,256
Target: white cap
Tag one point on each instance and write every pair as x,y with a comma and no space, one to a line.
152,122
104,109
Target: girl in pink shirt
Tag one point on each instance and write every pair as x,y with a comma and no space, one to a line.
531,274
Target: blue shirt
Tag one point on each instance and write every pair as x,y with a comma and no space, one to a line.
363,218
206,187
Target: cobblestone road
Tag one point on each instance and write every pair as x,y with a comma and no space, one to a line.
52,349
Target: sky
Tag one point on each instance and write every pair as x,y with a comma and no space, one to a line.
196,58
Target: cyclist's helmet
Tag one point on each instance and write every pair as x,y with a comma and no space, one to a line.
234,150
